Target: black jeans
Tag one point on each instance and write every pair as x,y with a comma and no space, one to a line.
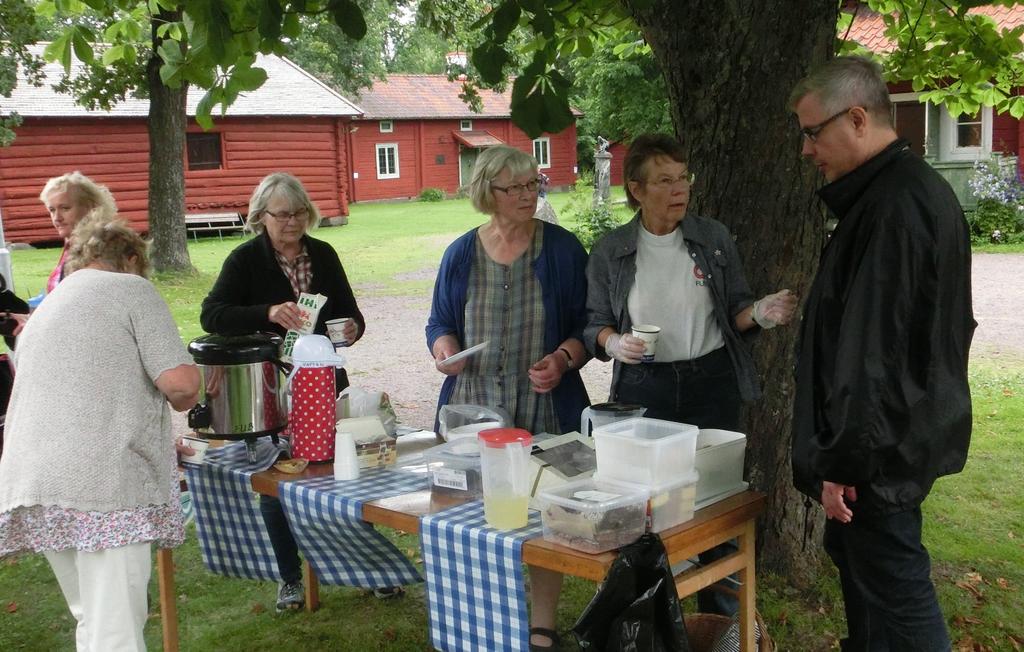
286,551
888,593
702,392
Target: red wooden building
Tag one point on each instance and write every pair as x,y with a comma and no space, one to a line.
416,133
293,123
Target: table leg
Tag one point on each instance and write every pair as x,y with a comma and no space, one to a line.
312,587
747,577
168,603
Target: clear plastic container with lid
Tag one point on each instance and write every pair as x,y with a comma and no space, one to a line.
505,467
650,452
593,515
454,469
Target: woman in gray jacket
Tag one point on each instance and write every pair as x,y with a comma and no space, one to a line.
681,273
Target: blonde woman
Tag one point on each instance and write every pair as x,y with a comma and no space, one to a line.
69,198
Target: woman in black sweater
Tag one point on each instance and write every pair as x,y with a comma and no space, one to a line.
257,290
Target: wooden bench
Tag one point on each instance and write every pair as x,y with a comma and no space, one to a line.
197,223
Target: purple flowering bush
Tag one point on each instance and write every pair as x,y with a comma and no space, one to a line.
999,215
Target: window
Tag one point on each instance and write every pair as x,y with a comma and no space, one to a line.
966,137
204,151
386,126
542,152
465,125
387,161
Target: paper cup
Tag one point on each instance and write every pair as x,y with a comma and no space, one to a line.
197,445
649,334
336,332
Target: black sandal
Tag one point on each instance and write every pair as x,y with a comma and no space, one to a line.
544,631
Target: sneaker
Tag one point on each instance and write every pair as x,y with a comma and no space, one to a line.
388,593
290,595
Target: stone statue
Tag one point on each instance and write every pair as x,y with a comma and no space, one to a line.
602,172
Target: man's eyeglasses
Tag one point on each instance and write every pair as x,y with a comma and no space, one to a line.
666,182
517,189
811,133
284,216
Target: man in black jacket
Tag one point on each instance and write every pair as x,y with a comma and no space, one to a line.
882,405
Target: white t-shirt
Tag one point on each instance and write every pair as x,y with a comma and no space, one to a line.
670,291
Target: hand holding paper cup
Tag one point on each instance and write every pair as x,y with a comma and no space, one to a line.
198,448
340,332
649,334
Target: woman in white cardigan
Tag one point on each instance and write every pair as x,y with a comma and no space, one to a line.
88,476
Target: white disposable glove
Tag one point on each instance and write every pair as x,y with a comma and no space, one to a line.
774,309
624,348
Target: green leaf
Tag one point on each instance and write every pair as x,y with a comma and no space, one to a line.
489,59
349,17
247,79
505,20
291,28
585,46
60,50
112,54
83,49
270,19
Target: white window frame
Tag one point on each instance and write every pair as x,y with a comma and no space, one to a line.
544,161
950,151
385,174
386,126
465,125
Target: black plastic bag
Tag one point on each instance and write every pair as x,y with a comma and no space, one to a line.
636,608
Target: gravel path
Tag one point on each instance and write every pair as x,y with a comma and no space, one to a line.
393,355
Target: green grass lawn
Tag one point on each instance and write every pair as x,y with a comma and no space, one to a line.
974,520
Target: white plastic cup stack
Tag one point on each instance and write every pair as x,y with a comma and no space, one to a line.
346,463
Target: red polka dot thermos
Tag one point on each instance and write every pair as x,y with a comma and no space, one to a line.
311,418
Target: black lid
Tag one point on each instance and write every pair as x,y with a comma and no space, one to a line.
615,408
235,349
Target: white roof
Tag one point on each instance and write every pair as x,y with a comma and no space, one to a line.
288,91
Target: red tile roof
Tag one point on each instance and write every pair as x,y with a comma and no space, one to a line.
428,97
477,139
869,30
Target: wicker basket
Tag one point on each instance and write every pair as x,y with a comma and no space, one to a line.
704,629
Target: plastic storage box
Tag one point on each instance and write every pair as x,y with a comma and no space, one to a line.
593,515
454,469
672,503
719,461
650,452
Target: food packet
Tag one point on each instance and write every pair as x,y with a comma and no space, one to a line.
309,312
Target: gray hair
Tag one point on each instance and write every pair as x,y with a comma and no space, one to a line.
284,185
489,165
84,192
846,82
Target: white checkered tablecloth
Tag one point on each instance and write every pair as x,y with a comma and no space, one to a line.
325,515
475,586
232,536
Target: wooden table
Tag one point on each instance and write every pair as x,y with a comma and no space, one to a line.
732,518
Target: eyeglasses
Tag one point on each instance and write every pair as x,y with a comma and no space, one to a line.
517,189
666,182
811,133
284,216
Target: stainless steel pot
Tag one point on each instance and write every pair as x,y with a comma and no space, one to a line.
243,388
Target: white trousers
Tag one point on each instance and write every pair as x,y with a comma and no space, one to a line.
106,592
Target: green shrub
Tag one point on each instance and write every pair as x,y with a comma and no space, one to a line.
592,221
996,222
431,194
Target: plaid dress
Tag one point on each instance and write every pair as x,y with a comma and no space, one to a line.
504,305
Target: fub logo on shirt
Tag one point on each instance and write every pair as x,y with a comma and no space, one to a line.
698,276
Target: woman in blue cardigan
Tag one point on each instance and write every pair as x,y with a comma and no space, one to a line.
520,285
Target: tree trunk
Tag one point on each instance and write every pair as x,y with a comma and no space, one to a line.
729,68
166,166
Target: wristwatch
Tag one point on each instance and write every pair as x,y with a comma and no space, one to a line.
568,357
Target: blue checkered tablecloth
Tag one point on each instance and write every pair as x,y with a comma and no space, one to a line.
475,585
326,517
231,533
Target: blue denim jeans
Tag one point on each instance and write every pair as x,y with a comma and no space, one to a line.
286,551
888,593
702,392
